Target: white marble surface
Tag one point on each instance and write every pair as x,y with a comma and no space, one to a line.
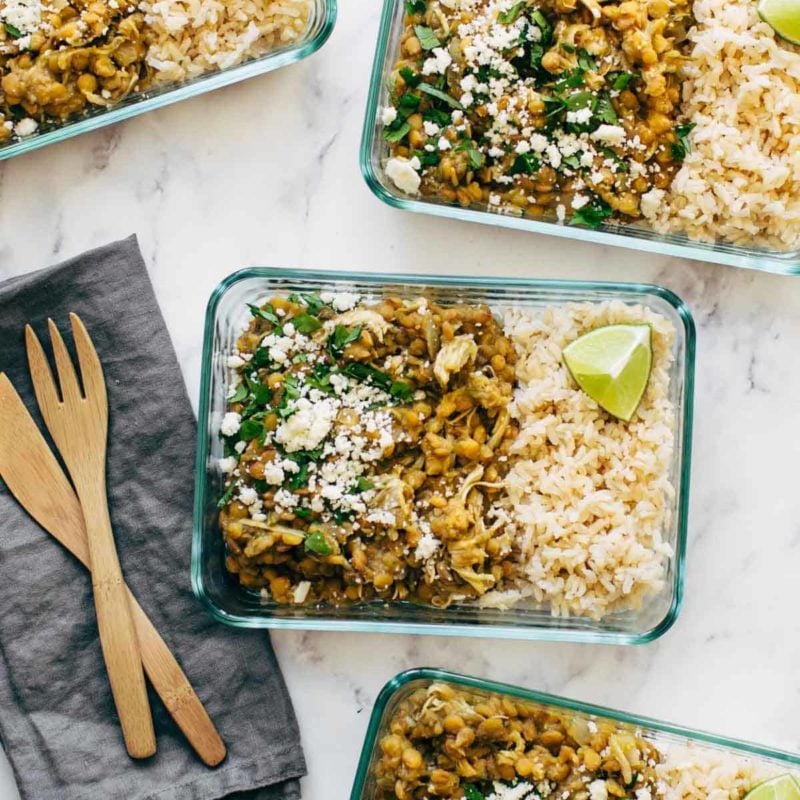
266,172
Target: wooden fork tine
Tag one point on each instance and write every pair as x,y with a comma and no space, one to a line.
91,370
44,385
70,388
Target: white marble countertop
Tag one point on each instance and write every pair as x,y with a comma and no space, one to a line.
266,173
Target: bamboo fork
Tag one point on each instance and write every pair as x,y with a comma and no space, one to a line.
79,427
27,465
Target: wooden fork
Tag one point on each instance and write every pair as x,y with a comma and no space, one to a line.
34,476
79,427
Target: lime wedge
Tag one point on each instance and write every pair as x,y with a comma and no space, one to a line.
784,787
612,365
783,16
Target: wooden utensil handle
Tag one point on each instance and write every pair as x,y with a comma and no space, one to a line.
115,624
178,695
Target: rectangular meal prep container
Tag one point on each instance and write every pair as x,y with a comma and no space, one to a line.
323,18
374,152
227,315
402,685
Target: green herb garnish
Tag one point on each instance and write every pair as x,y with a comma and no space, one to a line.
476,158
366,373
316,543
605,110
362,485
267,313
586,61
427,38
507,17
401,392
410,78
441,118
303,513
299,479
415,7
251,429
313,302
12,31
226,497
408,103
305,323
592,214
396,134
620,80
427,159
341,337
471,793
438,94
682,146
525,164
240,394
320,378
540,21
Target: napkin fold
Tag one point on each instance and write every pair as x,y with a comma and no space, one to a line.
58,724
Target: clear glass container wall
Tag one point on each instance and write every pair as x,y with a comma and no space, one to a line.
320,27
228,315
405,683
374,152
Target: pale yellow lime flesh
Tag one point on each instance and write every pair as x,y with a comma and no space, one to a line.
784,787
783,16
612,365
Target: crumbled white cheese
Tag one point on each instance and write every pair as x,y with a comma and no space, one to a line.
443,143
403,175
26,126
521,791
598,790
579,201
308,426
430,128
248,495
579,117
651,202
426,547
273,474
388,115
437,62
240,447
609,134
494,199
227,465
231,423
341,301
235,361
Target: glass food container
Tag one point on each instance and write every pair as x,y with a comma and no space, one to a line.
404,684
374,154
323,18
227,315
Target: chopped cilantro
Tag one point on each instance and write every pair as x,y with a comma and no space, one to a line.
427,159
341,337
320,378
250,429
303,513
362,485
620,80
261,358
427,38
438,94
299,479
586,61
12,31
540,21
471,793
316,543
605,111
240,393
476,158
226,497
266,312
441,118
525,163
300,358
415,7
305,323
592,214
408,103
579,100
401,391
609,153
567,48
368,374
396,134
410,78
572,162
291,391
507,17
682,146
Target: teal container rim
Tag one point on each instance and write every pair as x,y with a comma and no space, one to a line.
446,629
646,723
200,85
727,254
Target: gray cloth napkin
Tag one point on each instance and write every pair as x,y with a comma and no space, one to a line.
57,719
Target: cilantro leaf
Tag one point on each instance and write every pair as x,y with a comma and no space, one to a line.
408,103
620,80
299,479
240,393
13,31
305,323
507,17
605,111
315,542
392,134
251,429
438,94
362,485
312,301
471,793
409,77
415,7
401,391
441,118
320,378
266,312
427,38
476,158
586,61
226,497
341,337
592,214
426,159
525,163
540,21
303,513
366,373
682,146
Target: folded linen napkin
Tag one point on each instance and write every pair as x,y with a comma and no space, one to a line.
57,719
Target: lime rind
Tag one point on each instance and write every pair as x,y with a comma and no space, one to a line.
781,787
612,365
783,16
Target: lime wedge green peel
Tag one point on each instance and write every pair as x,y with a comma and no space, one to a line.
612,365
783,16
784,787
